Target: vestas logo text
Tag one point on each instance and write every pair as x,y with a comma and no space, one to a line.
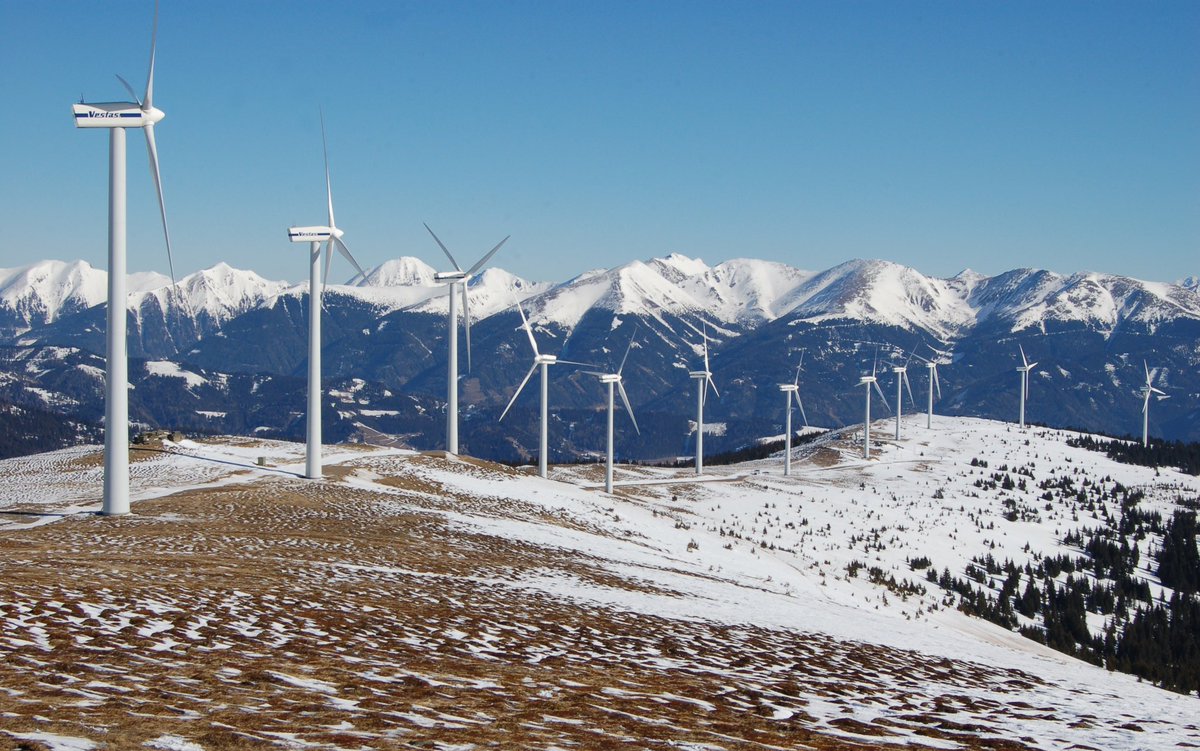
106,115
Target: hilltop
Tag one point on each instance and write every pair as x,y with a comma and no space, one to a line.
417,600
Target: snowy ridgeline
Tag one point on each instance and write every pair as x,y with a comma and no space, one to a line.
739,292
843,550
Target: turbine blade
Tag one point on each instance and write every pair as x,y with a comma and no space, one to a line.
328,184
162,207
1144,365
1163,393
708,380
627,348
706,368
467,321
1026,362
907,385
517,393
629,409
881,396
479,264
341,246
148,101
937,383
1146,402
575,362
128,88
445,250
800,404
528,330
796,382
1031,366
801,365
596,373
325,276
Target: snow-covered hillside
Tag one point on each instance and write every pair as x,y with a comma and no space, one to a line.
425,598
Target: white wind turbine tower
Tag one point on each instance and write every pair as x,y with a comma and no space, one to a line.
931,366
1024,371
791,391
614,380
314,236
901,372
544,362
453,279
703,379
868,382
117,116
1148,389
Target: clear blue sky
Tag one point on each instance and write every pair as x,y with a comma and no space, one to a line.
940,135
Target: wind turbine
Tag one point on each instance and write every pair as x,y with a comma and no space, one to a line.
453,279
703,380
544,362
901,372
931,366
314,236
791,391
1024,371
614,379
117,116
1148,389
867,382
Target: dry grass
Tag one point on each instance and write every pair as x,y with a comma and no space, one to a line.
243,616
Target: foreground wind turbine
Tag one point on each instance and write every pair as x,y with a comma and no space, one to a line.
1148,389
703,380
868,382
614,379
1024,371
314,236
453,279
117,116
544,362
901,372
791,391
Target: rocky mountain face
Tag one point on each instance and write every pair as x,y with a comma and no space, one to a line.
384,349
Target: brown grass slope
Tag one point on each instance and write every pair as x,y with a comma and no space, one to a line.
288,613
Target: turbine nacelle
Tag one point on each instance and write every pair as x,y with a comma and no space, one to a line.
545,359
609,378
450,277
789,387
115,115
700,374
312,234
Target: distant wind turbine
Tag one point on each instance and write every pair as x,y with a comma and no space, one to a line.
1024,371
614,379
791,391
453,279
932,366
901,372
117,116
868,382
1148,390
703,380
314,236
544,362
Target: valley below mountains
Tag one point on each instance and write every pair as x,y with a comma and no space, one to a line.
224,351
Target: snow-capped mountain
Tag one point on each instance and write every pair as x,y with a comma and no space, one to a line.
1090,333
43,292
164,319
